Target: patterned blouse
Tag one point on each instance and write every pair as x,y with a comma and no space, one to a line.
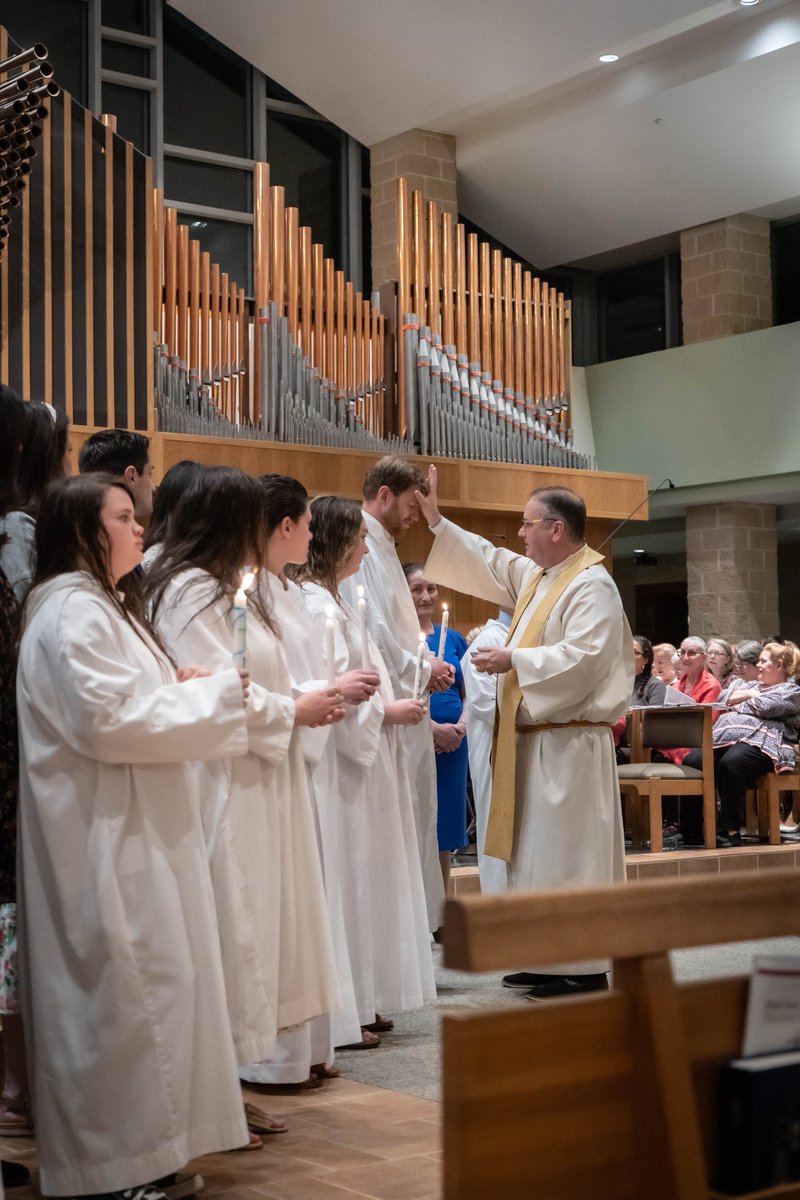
770,722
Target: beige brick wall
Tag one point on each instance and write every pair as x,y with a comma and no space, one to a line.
726,278
732,570
428,161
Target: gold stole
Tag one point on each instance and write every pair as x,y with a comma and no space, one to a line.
500,828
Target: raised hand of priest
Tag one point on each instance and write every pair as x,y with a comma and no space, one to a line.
493,660
358,686
429,505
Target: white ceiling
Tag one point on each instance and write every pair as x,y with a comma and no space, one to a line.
574,164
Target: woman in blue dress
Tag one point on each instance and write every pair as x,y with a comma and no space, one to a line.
447,719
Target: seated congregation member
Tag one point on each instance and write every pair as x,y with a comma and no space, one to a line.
172,487
745,667
258,819
647,690
447,723
125,455
665,658
759,736
695,681
480,702
132,1066
719,659
385,915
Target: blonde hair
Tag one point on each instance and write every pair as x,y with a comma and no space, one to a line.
788,655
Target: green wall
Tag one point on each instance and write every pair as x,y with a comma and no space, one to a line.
717,411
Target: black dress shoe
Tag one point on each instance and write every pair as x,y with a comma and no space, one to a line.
524,979
568,985
726,841
15,1175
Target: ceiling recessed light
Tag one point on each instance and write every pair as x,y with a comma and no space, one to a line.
745,3
615,57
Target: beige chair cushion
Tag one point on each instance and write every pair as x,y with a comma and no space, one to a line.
657,771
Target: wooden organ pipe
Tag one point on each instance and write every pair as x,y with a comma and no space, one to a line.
473,285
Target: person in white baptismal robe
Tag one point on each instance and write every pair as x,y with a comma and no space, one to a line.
132,1061
565,675
389,509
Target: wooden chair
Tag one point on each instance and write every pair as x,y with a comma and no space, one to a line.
610,1095
763,815
666,728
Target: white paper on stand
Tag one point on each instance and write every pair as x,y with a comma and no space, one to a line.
772,1022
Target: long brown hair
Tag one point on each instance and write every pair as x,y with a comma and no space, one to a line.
335,528
219,525
70,536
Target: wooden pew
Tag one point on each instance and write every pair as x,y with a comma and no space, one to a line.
611,1094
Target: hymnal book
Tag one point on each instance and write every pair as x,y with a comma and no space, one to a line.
759,1123
772,1022
674,698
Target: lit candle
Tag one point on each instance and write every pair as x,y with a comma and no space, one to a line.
443,631
422,657
239,620
330,653
361,605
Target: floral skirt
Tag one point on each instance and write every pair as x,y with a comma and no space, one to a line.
9,992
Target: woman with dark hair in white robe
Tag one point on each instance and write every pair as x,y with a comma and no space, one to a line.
132,1064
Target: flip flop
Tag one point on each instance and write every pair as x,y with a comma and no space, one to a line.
260,1122
370,1041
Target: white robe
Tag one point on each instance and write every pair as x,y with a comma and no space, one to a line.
386,916
568,819
480,694
297,1050
132,1064
261,835
394,625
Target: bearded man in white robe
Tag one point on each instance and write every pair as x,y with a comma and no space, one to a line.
390,508
564,676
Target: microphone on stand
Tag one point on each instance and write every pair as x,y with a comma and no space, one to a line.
617,528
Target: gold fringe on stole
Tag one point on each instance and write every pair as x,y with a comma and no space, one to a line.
500,828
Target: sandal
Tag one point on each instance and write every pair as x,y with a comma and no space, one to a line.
380,1025
260,1122
369,1041
323,1072
254,1142
15,1118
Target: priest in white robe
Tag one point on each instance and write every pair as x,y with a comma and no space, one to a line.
565,676
480,700
390,508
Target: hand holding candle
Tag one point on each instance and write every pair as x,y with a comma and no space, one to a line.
422,655
362,625
239,620
330,652
443,631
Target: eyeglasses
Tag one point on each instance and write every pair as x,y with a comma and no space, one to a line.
689,653
538,521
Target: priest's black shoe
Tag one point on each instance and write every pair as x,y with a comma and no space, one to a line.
15,1175
567,985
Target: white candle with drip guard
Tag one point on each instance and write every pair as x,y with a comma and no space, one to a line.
422,655
239,620
443,631
361,605
330,652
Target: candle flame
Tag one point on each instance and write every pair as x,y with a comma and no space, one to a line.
360,591
248,577
444,608
329,612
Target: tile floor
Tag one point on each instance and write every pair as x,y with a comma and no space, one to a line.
346,1141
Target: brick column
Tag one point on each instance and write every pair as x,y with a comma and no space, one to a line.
726,278
732,570
428,161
